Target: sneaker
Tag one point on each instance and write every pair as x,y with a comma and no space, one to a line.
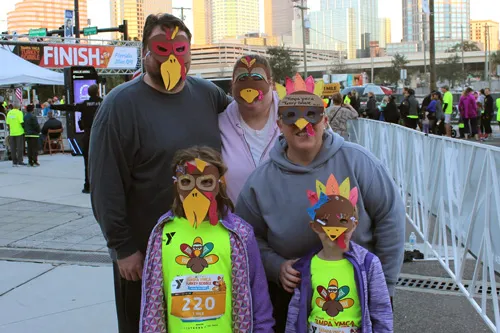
86,191
36,164
15,165
22,163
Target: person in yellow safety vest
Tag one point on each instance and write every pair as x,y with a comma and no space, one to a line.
347,99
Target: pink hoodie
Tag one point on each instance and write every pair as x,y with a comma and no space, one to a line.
236,151
468,106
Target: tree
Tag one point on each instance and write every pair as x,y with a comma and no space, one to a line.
387,75
450,69
338,67
282,63
466,45
399,62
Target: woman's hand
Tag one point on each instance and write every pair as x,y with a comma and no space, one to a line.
289,277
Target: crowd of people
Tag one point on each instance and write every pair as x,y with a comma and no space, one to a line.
434,114
244,214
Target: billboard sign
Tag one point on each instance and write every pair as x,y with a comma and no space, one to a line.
67,55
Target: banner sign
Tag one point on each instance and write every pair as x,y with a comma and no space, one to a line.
68,24
330,89
65,55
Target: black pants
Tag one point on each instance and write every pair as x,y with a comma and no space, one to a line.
280,299
17,149
85,151
32,150
128,302
486,125
411,122
470,126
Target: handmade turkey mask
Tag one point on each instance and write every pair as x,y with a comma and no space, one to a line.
302,108
198,187
334,210
251,80
173,52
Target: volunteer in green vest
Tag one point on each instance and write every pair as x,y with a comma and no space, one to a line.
347,98
32,134
15,123
447,108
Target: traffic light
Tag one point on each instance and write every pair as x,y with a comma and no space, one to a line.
123,28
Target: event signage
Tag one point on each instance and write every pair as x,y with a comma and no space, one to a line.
66,55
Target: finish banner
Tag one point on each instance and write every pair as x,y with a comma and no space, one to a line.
64,55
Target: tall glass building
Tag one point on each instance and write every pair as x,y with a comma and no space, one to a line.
365,13
334,29
452,17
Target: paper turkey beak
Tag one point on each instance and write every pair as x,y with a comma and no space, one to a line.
171,72
301,123
334,232
196,207
249,95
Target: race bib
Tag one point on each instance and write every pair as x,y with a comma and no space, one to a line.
198,297
315,328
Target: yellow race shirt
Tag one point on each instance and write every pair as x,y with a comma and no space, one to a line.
448,99
15,119
335,302
197,277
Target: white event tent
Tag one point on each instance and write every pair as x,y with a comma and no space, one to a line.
18,72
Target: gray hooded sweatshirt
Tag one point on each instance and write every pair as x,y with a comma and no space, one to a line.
274,201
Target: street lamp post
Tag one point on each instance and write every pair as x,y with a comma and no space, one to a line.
432,46
302,9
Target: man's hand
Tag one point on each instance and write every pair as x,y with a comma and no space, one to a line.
131,267
289,277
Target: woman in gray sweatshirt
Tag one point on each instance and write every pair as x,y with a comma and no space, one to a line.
274,200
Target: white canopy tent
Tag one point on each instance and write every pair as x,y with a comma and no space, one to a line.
18,72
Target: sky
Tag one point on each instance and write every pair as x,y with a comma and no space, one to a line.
99,14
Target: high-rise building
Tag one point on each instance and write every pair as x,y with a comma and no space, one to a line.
384,31
136,12
366,16
234,18
334,29
218,20
450,19
478,33
32,14
278,17
202,22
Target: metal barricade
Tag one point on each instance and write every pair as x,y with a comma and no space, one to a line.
3,137
452,193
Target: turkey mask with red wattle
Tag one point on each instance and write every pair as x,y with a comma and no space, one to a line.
251,81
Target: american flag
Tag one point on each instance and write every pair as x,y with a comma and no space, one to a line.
19,94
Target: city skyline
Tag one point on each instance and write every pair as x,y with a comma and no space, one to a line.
100,15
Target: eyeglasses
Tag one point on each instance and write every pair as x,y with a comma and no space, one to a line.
313,115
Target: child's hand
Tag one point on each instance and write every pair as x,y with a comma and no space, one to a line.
289,277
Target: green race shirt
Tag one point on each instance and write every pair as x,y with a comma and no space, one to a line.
197,277
448,99
498,109
347,100
15,119
335,302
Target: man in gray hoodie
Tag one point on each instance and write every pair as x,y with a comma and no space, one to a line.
274,202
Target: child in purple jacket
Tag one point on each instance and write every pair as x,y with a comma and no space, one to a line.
203,270
342,288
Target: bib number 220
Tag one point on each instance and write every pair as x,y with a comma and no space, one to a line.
198,304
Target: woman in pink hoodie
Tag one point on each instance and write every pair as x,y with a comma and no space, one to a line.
248,126
468,112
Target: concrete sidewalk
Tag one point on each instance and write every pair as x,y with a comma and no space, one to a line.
54,277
